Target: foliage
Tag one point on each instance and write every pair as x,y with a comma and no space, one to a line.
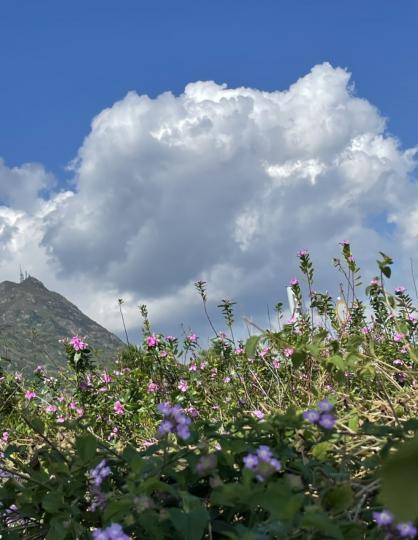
309,431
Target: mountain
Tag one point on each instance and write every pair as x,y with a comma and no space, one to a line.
34,319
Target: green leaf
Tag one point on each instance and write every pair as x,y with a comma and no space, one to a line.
337,361
251,345
190,526
339,499
399,491
86,446
320,451
53,502
56,530
321,523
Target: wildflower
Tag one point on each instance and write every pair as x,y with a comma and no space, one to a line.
113,532
344,243
239,350
163,354
311,416
398,362
170,338
288,352
151,341
152,387
400,290
374,281
192,411
78,344
406,530
118,407
192,338
106,378
262,463
383,519
327,421
51,408
60,419
275,363
321,416
302,253
294,282
193,367
412,318
365,330
183,386
30,394
258,414
18,376
264,352
227,380
99,473
174,421
292,319
398,337
5,436
206,464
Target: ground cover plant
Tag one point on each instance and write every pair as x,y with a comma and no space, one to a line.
309,431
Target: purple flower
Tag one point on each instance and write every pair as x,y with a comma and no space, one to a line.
206,464
99,473
294,282
262,463
327,421
113,532
151,341
406,530
383,518
325,406
174,421
302,253
400,290
311,416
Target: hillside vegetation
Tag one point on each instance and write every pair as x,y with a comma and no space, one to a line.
308,432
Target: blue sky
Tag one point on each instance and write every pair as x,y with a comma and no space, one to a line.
63,62
213,183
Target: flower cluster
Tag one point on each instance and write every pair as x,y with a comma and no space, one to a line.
385,520
262,463
78,344
99,473
174,421
322,416
113,532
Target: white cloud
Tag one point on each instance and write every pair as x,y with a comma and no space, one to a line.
217,183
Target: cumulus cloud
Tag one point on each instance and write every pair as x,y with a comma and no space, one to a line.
219,184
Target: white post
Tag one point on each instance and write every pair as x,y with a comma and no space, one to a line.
293,303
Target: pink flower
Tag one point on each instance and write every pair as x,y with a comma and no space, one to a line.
192,411
170,338
398,362
294,281
275,363
400,290
51,408
288,352
365,330
106,378
78,344
239,350
374,281
227,380
118,407
398,336
292,319
151,341
60,419
80,412
5,436
203,365
193,367
258,414
412,318
345,243
264,352
404,350
152,387
183,386
163,354
351,259
30,394
18,376
192,338
302,253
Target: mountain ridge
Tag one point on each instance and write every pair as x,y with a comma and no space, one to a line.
32,321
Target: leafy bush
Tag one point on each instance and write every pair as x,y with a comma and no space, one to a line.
305,432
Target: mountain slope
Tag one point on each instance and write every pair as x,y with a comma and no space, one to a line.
34,319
